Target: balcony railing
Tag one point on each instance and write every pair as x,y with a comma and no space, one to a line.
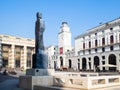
100,46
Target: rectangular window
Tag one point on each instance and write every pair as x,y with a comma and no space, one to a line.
96,50
89,44
83,45
111,48
95,34
103,49
89,59
103,41
95,43
103,62
111,29
103,57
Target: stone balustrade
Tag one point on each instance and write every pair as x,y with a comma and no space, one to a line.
86,82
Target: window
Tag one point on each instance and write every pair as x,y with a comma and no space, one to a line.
103,49
103,62
89,58
89,44
28,63
111,48
61,50
95,50
95,43
17,63
103,41
111,29
68,50
95,34
83,45
111,39
103,57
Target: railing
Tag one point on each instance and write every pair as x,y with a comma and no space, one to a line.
77,81
110,44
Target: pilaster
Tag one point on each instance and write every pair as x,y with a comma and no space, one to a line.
24,57
11,57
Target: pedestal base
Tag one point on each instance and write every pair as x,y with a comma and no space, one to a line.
40,72
40,77
28,82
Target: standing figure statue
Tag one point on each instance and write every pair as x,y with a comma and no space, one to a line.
40,59
39,29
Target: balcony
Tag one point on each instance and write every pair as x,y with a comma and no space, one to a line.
100,46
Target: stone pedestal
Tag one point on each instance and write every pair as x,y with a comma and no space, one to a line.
33,77
28,82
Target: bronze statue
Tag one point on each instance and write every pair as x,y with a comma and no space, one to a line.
39,29
40,59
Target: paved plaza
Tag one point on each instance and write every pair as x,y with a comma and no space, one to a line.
10,82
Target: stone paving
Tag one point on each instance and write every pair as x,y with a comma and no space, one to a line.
9,82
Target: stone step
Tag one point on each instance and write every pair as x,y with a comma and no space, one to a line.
53,88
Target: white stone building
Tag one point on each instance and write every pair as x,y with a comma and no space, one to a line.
98,46
61,56
52,52
16,52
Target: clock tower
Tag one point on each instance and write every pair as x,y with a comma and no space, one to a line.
64,38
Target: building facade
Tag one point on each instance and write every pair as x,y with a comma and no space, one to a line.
96,47
62,55
99,46
16,52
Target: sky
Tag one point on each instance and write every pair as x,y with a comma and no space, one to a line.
17,17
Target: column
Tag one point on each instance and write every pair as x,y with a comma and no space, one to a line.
11,58
118,37
32,56
80,63
106,39
87,63
101,60
24,57
92,63
58,62
107,61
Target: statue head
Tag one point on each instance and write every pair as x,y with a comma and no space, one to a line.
39,15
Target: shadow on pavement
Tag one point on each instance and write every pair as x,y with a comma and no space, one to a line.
6,77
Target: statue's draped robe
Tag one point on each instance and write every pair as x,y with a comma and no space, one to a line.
39,29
